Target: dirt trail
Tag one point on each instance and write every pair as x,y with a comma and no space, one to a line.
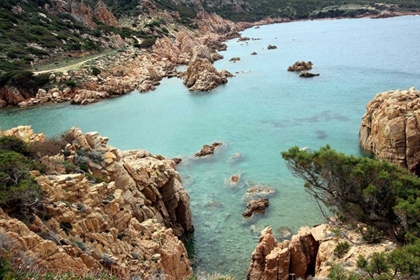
72,66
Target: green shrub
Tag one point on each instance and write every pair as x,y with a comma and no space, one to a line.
338,272
11,143
149,42
383,196
341,249
95,71
71,84
51,146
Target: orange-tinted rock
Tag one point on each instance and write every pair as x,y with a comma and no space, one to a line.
103,14
390,128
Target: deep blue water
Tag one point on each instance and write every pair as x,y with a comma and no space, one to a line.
259,113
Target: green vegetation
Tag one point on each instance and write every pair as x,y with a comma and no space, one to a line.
36,34
20,195
341,249
403,263
361,190
383,197
311,9
24,80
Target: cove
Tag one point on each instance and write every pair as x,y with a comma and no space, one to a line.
259,113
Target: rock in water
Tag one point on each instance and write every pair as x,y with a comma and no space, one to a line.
307,75
255,206
208,149
300,66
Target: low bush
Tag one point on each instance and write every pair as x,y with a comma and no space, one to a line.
49,147
341,249
148,43
95,71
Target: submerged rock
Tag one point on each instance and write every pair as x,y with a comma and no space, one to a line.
258,191
307,75
255,206
233,180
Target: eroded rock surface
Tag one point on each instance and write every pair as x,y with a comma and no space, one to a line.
390,128
309,253
124,214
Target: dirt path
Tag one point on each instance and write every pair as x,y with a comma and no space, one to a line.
71,66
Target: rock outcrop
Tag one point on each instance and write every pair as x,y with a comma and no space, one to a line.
390,128
208,149
124,213
309,253
300,66
201,75
79,11
103,14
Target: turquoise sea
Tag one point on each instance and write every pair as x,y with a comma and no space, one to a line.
260,112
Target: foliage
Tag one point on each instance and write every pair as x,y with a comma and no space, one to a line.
358,189
24,80
338,272
95,71
14,144
49,147
149,42
403,263
17,189
341,249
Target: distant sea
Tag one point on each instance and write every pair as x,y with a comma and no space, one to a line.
260,112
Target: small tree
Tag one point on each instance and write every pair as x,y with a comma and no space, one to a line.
360,189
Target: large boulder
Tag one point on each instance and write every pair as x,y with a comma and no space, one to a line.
255,206
390,128
272,260
201,75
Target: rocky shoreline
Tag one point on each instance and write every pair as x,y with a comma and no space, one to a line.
133,69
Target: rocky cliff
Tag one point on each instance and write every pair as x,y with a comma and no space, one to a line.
310,252
104,209
390,128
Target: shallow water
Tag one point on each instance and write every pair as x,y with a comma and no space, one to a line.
259,113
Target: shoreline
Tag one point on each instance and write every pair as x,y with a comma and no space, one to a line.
142,69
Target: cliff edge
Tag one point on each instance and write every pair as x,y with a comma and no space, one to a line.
390,128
